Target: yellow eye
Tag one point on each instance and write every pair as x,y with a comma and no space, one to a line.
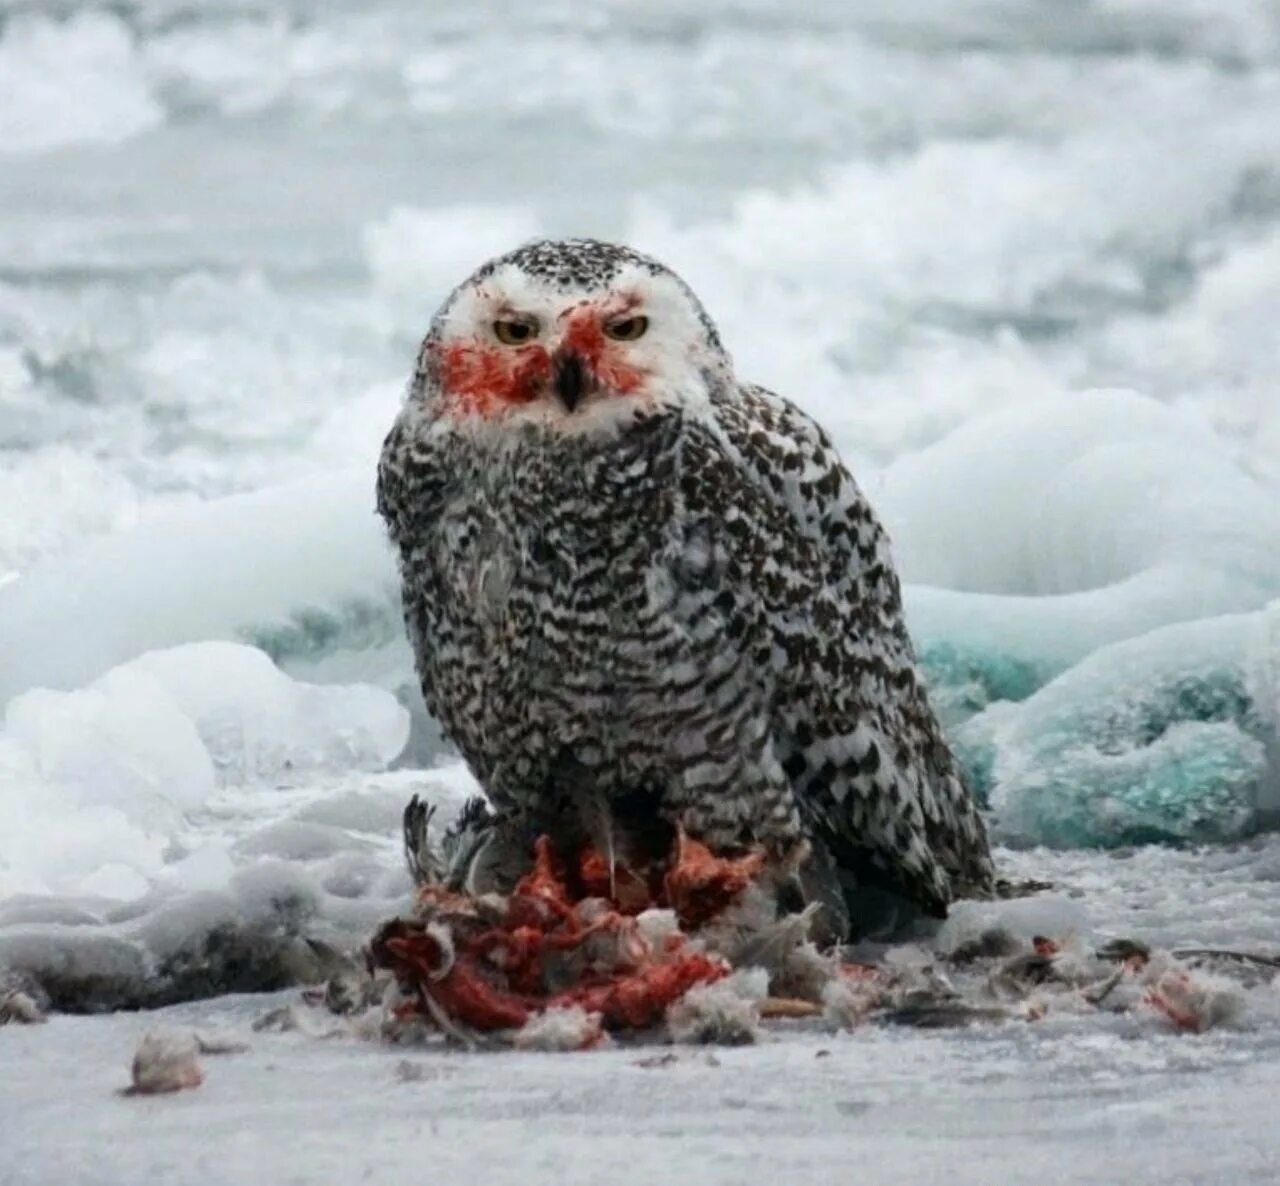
628,329
515,333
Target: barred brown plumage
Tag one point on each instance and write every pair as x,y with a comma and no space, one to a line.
665,590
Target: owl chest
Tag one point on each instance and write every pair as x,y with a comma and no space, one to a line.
520,586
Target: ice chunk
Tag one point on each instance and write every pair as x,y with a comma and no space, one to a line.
96,784
51,842
965,678
1167,737
1036,535
1076,493
979,647
165,722
291,568
257,723
120,742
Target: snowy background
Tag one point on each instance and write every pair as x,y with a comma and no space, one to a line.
1022,258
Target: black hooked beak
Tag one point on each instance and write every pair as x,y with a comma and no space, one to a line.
570,378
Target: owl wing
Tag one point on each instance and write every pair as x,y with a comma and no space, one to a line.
852,724
416,478
412,479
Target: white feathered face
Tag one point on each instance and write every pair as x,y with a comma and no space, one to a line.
573,335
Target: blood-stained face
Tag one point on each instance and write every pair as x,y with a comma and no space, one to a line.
546,337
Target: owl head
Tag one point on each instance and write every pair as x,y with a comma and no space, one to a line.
572,335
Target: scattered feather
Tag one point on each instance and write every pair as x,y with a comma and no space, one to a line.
425,863
848,1003
725,1013
18,1007
1193,1001
560,1030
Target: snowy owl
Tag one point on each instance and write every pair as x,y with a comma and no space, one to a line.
635,584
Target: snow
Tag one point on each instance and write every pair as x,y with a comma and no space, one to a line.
1068,1099
970,1106
47,65
417,256
1022,260
1053,914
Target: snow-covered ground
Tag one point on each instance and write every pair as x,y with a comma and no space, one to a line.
1023,259
888,1106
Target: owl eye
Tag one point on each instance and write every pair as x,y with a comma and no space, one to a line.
628,329
513,332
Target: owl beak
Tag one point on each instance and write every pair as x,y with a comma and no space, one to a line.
569,376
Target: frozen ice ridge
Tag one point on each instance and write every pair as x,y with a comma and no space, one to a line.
1173,736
